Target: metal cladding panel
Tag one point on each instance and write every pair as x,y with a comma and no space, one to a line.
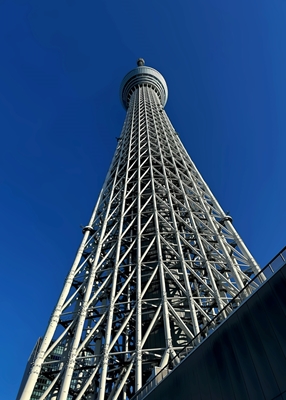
253,338
245,358
268,349
247,378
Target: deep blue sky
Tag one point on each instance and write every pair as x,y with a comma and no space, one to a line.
61,66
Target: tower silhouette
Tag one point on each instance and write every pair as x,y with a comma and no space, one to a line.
158,261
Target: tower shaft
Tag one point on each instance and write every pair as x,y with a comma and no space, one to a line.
158,260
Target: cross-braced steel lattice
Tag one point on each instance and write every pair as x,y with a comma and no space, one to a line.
158,260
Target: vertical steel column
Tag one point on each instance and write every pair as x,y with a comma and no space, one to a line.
101,393
138,369
167,329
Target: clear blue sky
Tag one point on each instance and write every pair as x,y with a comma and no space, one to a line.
60,71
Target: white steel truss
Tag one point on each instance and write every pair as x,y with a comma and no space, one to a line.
158,260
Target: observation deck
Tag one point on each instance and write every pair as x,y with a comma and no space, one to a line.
143,75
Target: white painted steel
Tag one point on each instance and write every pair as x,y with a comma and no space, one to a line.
159,259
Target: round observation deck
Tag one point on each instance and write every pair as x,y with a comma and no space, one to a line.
143,75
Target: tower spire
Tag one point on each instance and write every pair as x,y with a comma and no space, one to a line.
140,62
159,259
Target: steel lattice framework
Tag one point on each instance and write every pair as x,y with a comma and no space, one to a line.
158,260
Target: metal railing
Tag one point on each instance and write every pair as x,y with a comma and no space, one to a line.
273,266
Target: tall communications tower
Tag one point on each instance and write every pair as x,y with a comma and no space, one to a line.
158,260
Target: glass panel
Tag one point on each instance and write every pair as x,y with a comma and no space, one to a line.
269,271
277,263
284,254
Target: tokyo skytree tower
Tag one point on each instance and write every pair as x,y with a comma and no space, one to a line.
159,259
